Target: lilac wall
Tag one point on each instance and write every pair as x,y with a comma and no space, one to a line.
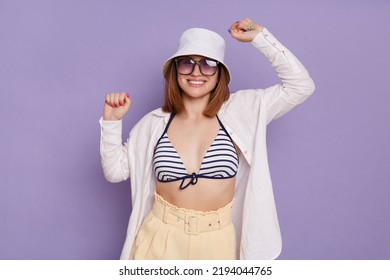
329,158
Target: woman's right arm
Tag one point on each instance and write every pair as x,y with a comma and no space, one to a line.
114,155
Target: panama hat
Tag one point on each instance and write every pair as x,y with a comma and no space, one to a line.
200,41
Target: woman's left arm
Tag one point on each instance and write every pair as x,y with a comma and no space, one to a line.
296,85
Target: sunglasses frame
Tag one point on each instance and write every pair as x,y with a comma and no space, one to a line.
196,62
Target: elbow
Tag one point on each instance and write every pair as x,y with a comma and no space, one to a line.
306,89
115,169
311,87
113,175
299,93
112,179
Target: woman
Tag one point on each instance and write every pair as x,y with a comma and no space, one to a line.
200,182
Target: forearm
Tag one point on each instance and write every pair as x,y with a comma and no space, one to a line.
114,155
293,75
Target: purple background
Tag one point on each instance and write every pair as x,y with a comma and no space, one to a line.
329,157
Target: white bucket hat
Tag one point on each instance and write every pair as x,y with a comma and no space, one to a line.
199,41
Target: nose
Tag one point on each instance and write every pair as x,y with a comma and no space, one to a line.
196,71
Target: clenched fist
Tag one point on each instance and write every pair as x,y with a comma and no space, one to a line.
245,30
116,106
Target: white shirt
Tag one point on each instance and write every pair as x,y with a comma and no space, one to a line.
245,116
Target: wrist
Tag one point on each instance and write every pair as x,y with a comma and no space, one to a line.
110,118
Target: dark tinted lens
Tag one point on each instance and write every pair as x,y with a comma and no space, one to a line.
208,66
185,65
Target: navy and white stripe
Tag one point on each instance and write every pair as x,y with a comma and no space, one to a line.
219,162
221,159
168,165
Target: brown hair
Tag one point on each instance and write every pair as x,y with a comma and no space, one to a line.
173,102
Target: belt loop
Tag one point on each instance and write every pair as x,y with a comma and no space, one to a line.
166,213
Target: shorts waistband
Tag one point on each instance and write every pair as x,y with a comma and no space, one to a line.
192,221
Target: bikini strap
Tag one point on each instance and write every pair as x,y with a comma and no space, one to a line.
224,129
169,122
166,128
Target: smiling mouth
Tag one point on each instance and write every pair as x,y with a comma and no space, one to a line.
194,82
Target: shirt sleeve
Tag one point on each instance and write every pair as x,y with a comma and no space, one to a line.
296,85
113,154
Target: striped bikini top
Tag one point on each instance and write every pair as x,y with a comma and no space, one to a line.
219,162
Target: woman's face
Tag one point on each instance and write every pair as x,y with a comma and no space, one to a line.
195,84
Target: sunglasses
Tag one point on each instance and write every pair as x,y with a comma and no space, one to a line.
186,65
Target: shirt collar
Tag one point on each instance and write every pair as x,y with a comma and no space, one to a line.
160,113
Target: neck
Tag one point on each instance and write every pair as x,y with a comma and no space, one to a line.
194,107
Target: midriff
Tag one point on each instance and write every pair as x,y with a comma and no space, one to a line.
206,195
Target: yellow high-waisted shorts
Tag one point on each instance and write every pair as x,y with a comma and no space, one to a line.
172,233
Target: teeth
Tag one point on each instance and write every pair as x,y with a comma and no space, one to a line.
196,82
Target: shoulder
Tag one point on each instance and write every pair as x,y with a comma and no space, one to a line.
246,98
153,116
150,120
